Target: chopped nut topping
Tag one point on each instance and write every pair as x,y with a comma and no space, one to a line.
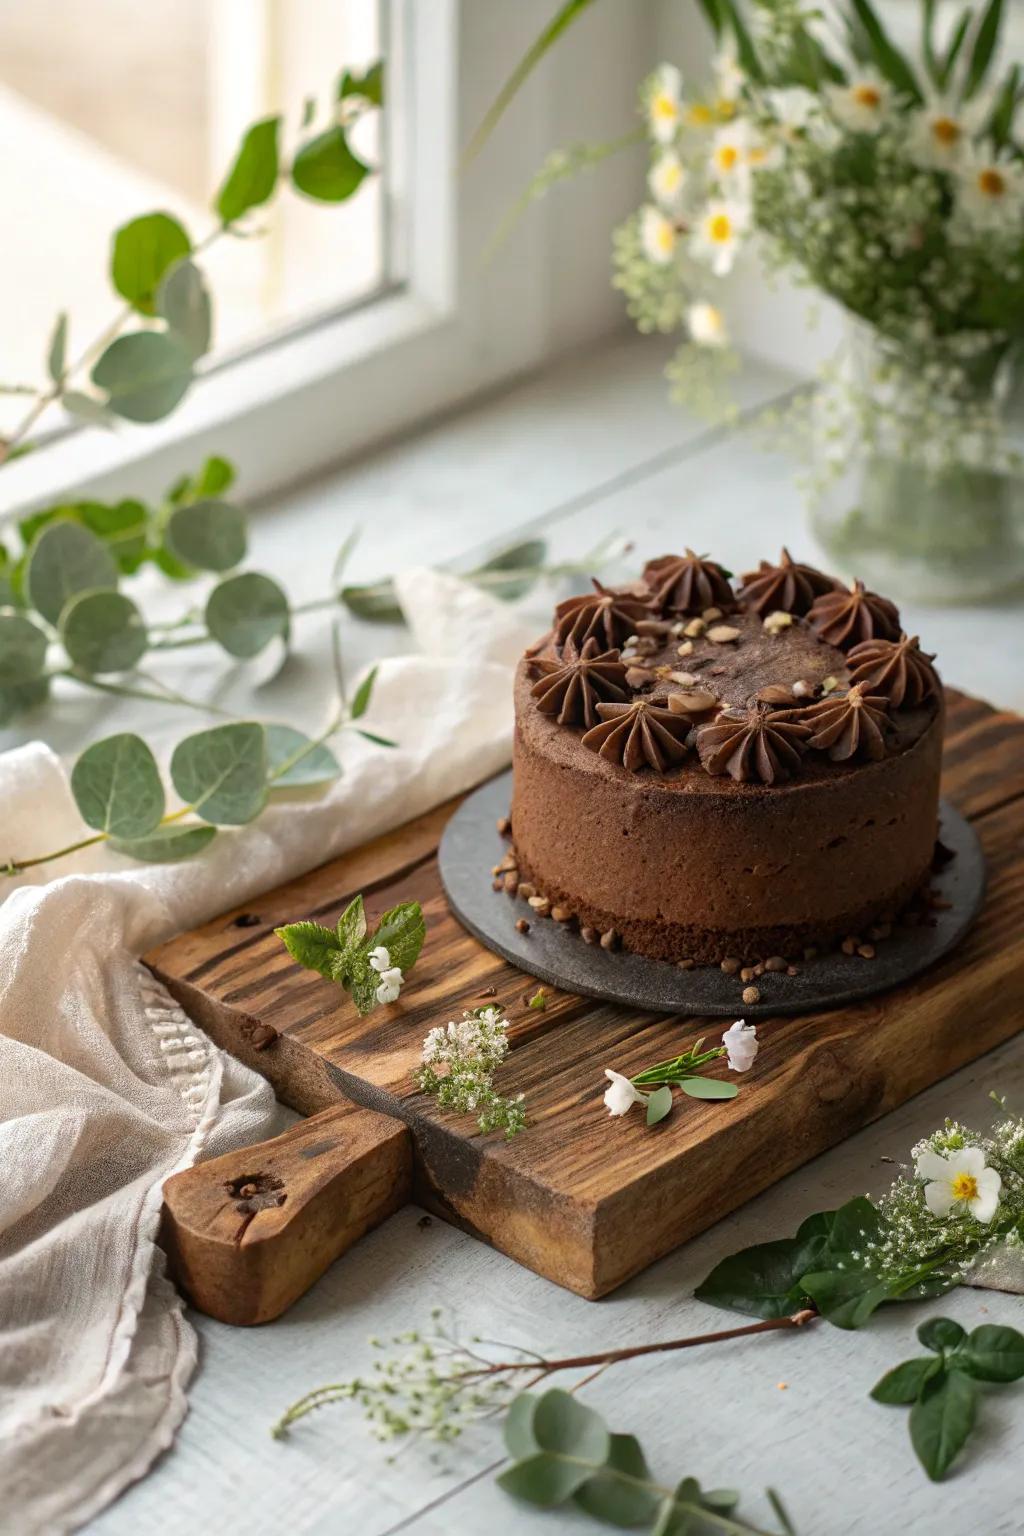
677,628
686,649
721,634
694,702
589,935
562,914
751,995
802,689
653,627
504,826
526,890
730,965
776,622
610,939
776,964
541,905
685,679
694,628
830,685
522,926
711,614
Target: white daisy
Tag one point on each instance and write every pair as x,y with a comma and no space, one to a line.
728,158
862,104
707,325
792,108
666,180
720,229
664,103
990,189
940,133
657,235
959,1181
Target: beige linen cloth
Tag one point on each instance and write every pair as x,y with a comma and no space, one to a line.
106,1087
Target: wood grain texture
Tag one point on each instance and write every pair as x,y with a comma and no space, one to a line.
584,1203
248,1233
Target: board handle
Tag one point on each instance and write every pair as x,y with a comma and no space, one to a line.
246,1234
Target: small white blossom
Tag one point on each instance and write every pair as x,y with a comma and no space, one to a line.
729,77
719,232
959,1178
728,160
792,107
664,103
667,180
990,190
379,959
741,1044
391,982
862,104
940,132
657,235
707,325
459,1062
620,1097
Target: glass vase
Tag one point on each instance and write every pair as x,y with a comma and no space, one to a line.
918,465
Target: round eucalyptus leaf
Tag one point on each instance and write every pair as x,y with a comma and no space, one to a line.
117,787
22,649
166,845
145,374
209,535
183,300
24,696
103,632
143,251
287,769
562,1424
326,170
244,613
253,177
222,773
66,559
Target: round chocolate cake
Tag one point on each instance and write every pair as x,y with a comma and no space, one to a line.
704,772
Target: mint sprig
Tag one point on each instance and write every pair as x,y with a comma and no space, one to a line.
342,954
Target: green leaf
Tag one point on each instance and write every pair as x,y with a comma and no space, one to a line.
117,787
888,59
401,931
713,16
986,41
941,1333
326,170
143,251
352,924
543,1479
207,535
375,602
992,1353
1000,124
183,300
253,177
708,1088
765,1280
22,697
291,766
682,1513
746,53
941,1420
904,1382
312,945
559,24
103,632
854,1225
216,476
22,649
222,773
65,559
518,1428
354,971
378,741
563,1424
613,1493
659,1104
123,525
166,845
145,374
846,1297
361,702
956,42
56,355
370,86
245,613
86,408
528,557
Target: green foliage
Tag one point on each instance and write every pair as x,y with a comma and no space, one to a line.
252,179
117,787
222,773
22,649
166,845
65,559
143,251
326,170
144,374
295,761
986,42
56,356
342,954
888,60
207,535
245,613
513,572
563,1452
103,632
183,300
659,1105
942,1387
369,86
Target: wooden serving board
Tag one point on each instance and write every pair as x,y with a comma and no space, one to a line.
576,1197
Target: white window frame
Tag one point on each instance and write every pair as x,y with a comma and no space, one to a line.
450,326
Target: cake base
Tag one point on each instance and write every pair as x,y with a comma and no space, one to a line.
555,953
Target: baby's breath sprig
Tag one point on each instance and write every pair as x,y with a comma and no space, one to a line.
460,1059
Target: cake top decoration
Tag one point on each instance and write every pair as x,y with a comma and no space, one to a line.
643,733
571,685
688,583
846,724
786,587
897,668
752,743
608,614
853,614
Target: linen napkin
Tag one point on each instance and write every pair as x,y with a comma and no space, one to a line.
106,1087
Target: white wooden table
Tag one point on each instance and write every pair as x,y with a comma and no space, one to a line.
590,447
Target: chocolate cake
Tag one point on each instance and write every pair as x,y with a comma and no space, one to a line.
705,770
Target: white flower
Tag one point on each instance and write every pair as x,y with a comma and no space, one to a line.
390,984
961,1179
940,132
728,160
379,958
719,230
707,325
657,235
990,189
862,104
729,77
664,105
741,1044
666,180
622,1095
792,107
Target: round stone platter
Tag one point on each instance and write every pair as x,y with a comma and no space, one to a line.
555,953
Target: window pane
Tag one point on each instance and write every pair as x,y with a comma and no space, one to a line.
111,109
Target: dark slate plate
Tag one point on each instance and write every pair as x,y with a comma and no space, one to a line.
555,953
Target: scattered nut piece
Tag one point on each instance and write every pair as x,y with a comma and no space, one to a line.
686,649
637,677
730,965
775,694
775,963
748,973
694,628
526,890
751,995
759,969
722,634
589,935
653,627
830,685
562,914
791,970
677,628
522,926
849,945
711,614
511,882
497,885
684,679
696,703
610,939
802,689
504,826
777,621
687,964
541,905
866,951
